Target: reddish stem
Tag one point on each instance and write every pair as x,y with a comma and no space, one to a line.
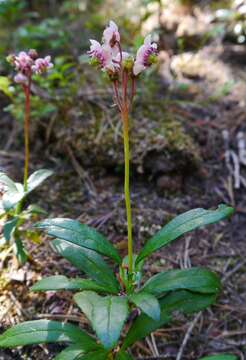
116,93
27,90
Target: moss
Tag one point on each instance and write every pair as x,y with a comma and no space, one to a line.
94,133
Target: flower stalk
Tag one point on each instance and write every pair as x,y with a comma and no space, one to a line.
125,120
27,90
26,64
122,69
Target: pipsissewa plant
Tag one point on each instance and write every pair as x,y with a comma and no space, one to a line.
14,194
110,299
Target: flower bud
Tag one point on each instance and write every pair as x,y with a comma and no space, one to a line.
11,59
128,63
152,59
94,62
33,54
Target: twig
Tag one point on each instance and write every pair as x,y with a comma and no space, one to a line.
187,336
80,171
235,269
154,345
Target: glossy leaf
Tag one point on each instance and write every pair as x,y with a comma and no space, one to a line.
106,314
15,191
12,196
20,251
79,234
182,224
123,355
75,352
72,352
94,355
194,279
220,357
89,262
37,178
60,282
45,331
182,300
5,180
9,227
147,303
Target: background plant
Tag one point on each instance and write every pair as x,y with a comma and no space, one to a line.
110,299
14,193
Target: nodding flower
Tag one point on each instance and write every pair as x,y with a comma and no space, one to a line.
27,64
101,55
111,35
42,65
110,57
23,62
146,56
21,79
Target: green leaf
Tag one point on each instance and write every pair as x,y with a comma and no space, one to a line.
60,282
122,355
5,86
72,352
106,314
5,180
194,279
15,191
12,196
147,303
82,235
182,224
220,357
94,355
75,352
142,327
20,251
181,300
35,209
37,178
45,331
89,262
9,227
186,301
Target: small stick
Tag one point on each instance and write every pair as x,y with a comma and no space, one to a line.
187,336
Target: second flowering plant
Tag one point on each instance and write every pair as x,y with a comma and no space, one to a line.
113,300
26,64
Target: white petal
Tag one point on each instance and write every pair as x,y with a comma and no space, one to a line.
147,40
140,53
94,42
113,25
138,68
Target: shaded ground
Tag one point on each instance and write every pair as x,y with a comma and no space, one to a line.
94,195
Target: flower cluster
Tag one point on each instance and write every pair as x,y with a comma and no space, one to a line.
28,63
110,57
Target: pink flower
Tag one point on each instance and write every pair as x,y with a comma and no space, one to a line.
27,63
41,65
111,34
145,56
21,79
125,56
23,62
102,55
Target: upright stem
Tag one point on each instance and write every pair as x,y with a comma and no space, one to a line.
127,188
26,89
26,132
